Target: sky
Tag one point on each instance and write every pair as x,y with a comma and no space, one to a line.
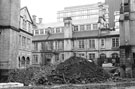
47,9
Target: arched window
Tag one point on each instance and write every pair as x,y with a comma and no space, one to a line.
23,61
116,57
103,57
28,61
19,62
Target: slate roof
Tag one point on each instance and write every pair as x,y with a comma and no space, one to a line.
80,34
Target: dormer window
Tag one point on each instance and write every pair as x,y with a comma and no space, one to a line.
57,30
75,28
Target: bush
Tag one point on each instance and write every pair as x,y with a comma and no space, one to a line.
22,75
31,75
41,76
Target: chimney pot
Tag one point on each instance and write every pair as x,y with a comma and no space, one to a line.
34,18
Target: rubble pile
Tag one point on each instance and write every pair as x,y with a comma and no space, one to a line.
78,70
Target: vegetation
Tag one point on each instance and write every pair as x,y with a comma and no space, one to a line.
74,70
31,75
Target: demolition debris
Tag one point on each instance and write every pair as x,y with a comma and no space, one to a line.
77,70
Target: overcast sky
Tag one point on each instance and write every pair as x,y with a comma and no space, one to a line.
47,9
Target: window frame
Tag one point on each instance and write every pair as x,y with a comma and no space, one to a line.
81,44
92,43
102,43
82,27
115,42
92,56
95,26
88,27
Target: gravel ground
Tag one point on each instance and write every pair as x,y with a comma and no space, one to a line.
108,85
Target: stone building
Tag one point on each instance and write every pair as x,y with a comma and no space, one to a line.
114,8
127,33
25,39
82,31
15,37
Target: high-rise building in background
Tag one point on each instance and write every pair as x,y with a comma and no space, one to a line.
114,7
83,12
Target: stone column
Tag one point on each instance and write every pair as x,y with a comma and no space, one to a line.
9,30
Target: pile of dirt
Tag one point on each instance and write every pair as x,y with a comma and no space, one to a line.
77,70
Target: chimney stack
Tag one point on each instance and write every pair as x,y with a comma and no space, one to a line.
40,20
34,18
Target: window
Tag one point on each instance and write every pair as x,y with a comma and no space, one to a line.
20,39
81,54
95,27
81,43
62,44
117,25
23,61
57,57
88,26
28,42
46,31
35,57
41,31
49,45
115,42
24,24
115,57
75,28
117,17
62,56
82,28
35,46
92,56
56,45
103,56
62,29
36,32
29,28
19,62
92,43
23,41
27,61
57,30
102,43
52,30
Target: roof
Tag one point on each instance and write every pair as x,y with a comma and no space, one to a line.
55,24
80,34
85,21
45,37
84,34
74,22
28,12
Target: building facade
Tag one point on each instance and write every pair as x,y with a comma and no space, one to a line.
9,29
127,34
81,31
25,39
13,36
114,7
